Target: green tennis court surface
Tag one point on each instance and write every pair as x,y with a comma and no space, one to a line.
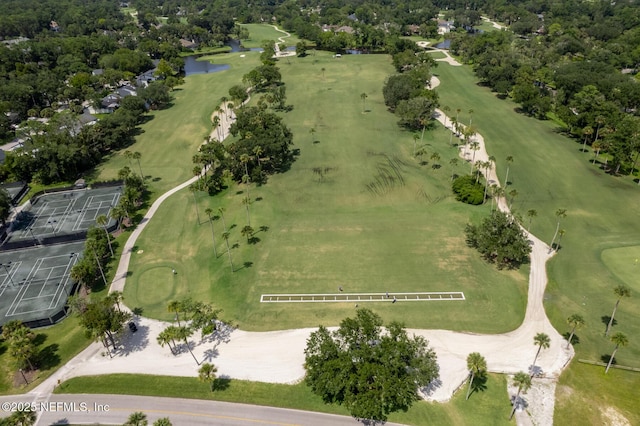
35,283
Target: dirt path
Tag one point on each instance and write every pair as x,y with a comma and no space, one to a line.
278,357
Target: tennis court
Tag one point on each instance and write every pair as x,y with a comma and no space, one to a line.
64,214
35,282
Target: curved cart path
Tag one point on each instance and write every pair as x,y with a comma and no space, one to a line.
278,356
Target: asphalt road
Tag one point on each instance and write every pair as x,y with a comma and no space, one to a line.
115,409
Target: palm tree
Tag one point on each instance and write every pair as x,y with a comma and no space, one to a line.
193,189
513,193
415,142
102,221
163,421
225,235
561,234
487,165
91,245
364,97
116,298
453,126
587,131
453,162
506,177
543,341
164,338
246,203
575,321
247,231
597,146
560,214
128,154
477,365
184,333
216,123
523,382
531,213
221,211
620,291
446,110
136,419
458,115
208,212
322,69
470,116
207,373
136,156
257,151
619,339
435,157
312,131
23,417
175,306
475,146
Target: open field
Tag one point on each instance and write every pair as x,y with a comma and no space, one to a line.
550,172
487,407
261,32
169,140
339,230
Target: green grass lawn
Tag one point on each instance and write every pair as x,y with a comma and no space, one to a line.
325,233
171,137
487,407
56,345
258,33
602,234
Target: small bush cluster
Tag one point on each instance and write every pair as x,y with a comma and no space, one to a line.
468,190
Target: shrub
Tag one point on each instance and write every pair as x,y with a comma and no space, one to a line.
468,190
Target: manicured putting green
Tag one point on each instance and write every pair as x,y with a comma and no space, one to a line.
624,263
157,284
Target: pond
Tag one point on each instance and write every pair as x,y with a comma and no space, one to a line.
443,45
193,66
236,46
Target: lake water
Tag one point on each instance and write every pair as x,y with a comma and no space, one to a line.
443,45
193,66
236,46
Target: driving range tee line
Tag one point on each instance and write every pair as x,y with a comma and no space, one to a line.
433,296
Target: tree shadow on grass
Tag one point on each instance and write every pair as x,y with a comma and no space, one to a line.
605,320
137,311
221,383
575,340
253,240
606,357
479,384
48,357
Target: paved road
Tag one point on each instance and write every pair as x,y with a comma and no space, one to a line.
114,409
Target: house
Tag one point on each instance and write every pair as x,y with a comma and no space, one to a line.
345,29
111,102
54,26
188,44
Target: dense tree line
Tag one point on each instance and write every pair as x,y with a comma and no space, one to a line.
574,59
407,93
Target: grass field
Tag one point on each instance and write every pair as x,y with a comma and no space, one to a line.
600,246
332,232
56,345
487,407
169,140
261,32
